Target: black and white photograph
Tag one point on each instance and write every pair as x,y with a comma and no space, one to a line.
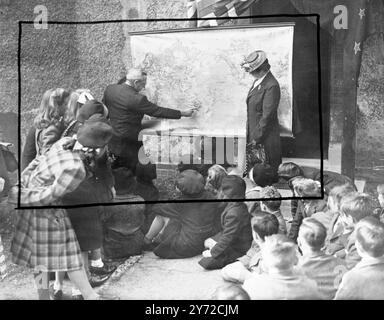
207,151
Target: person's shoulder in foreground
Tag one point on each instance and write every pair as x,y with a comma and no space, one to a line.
366,280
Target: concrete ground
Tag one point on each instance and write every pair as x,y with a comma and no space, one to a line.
144,277
152,278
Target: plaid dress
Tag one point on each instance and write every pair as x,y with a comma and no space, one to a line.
44,238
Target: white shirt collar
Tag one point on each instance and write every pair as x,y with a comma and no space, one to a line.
257,82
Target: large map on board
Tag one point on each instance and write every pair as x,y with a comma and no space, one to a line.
202,67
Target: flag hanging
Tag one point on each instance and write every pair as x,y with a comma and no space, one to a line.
215,9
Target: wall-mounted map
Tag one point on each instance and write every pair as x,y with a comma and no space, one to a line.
202,67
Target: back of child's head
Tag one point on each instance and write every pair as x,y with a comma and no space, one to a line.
216,173
264,224
279,252
357,205
90,108
370,236
313,233
230,292
263,174
73,107
130,214
233,187
190,182
307,187
338,192
52,107
271,193
289,170
145,172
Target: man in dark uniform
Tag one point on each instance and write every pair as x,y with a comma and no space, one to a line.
262,104
127,108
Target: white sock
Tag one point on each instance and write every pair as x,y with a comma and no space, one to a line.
76,292
97,263
57,286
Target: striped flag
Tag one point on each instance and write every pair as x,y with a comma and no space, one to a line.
216,8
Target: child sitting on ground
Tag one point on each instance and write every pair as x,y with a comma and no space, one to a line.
323,268
263,224
353,208
236,236
366,280
122,228
305,188
216,173
180,228
230,292
330,216
273,206
281,281
289,170
260,176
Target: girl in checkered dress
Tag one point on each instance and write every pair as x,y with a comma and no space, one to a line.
44,238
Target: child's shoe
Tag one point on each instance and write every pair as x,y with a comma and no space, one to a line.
97,280
102,271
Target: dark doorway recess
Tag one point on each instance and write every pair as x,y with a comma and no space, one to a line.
306,126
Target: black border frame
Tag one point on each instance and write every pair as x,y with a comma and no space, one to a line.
313,15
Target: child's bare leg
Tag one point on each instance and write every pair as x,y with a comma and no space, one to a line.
75,289
42,285
84,255
157,226
80,280
59,280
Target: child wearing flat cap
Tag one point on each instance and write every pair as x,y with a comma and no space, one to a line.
180,228
236,236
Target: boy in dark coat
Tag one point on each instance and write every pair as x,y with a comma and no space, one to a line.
236,236
179,229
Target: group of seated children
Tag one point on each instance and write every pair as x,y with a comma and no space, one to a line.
332,230
335,236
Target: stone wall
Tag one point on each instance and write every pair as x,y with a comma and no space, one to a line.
370,125
68,56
